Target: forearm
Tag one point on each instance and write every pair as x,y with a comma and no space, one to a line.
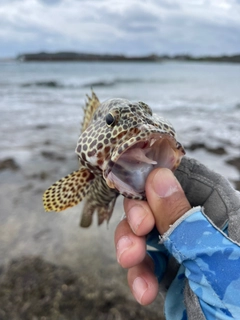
211,259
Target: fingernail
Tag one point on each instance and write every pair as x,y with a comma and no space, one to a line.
123,244
135,216
164,183
139,287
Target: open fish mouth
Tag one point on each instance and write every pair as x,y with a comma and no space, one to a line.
129,171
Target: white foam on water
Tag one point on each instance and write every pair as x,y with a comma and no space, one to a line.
201,100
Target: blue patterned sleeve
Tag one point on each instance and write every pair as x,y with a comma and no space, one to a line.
211,261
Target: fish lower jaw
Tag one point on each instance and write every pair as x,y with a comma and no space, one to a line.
123,188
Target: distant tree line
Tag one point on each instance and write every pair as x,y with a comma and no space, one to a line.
74,56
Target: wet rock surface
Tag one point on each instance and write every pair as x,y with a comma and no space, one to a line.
200,145
9,164
235,162
31,288
52,155
237,184
49,267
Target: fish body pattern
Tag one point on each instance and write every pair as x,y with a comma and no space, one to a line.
120,144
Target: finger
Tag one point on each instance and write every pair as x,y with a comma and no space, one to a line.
130,249
166,198
139,216
142,281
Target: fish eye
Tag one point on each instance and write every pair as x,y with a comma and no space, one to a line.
110,119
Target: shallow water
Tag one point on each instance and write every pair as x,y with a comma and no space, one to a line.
43,102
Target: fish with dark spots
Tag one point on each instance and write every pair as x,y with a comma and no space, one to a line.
127,146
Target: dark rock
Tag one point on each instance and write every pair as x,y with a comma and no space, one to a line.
196,145
234,162
41,175
237,184
50,84
52,156
41,126
9,164
99,84
31,288
199,145
39,191
219,150
196,129
27,187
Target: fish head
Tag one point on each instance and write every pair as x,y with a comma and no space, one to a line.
124,142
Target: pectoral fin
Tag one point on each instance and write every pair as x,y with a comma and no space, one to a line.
68,191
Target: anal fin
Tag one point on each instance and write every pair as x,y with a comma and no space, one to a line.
106,213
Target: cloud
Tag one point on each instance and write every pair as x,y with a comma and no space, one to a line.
114,26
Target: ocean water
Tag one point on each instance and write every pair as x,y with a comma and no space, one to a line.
42,103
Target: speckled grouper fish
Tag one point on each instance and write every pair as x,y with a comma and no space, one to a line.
120,144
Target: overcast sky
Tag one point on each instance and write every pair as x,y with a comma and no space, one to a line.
132,27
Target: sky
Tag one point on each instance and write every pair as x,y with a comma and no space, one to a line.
130,27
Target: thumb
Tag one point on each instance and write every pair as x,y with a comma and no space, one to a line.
166,198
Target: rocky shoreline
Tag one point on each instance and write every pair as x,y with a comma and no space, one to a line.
32,288
51,268
218,151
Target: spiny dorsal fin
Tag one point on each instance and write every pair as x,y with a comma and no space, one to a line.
91,105
68,191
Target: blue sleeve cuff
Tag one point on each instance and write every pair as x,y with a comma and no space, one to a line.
167,234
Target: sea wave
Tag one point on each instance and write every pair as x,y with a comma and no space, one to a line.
50,84
97,83
93,84
114,82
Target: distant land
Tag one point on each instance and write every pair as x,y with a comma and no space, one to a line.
74,56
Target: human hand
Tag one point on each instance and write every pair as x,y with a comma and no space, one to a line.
166,203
